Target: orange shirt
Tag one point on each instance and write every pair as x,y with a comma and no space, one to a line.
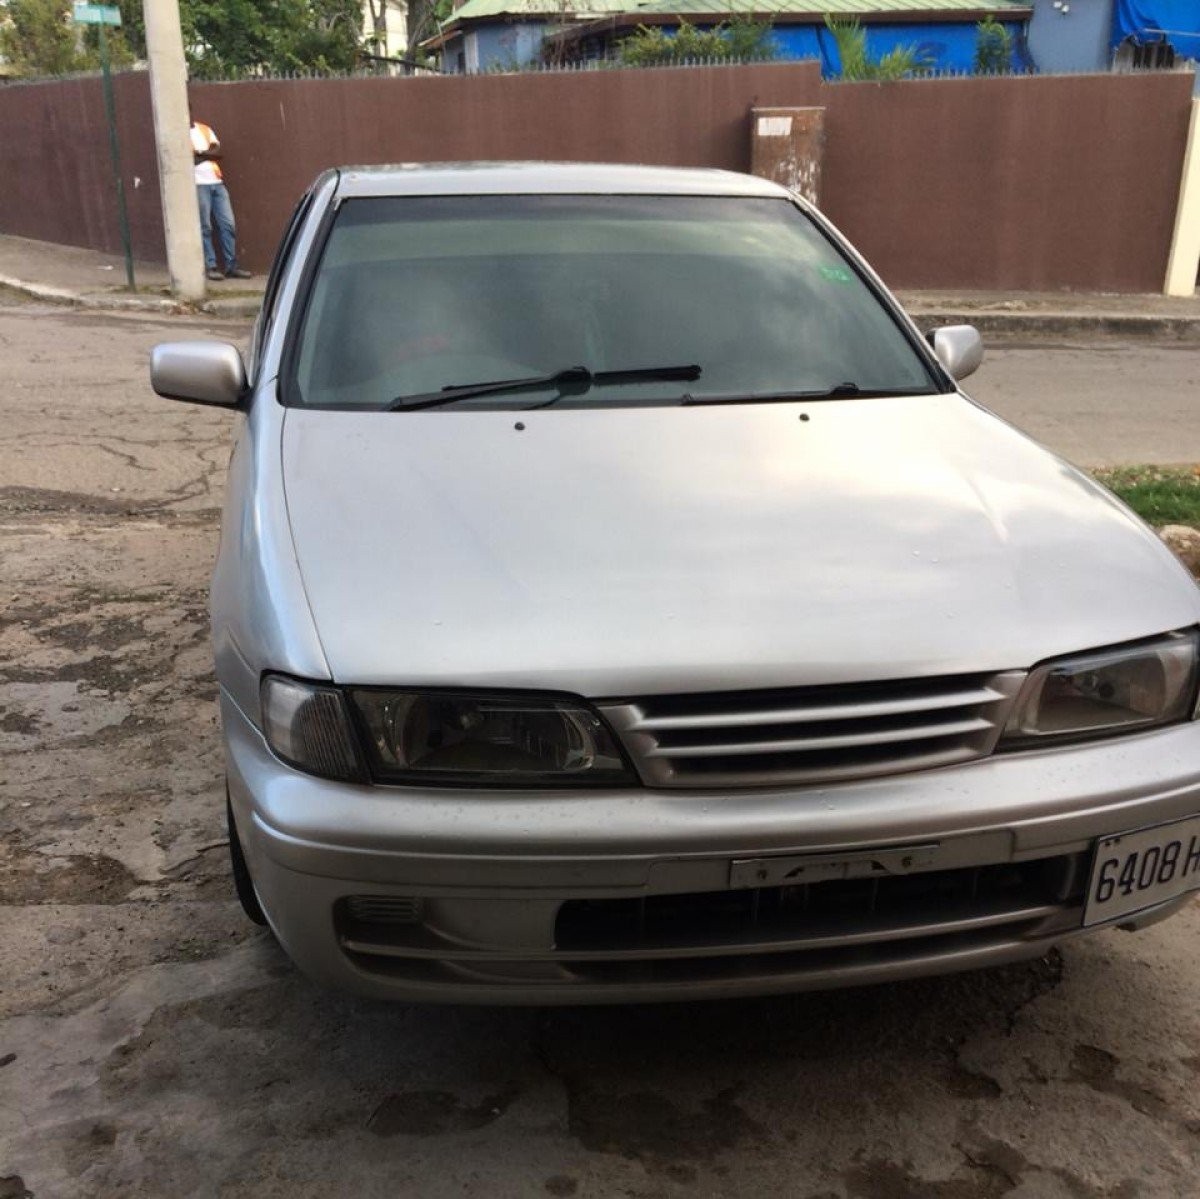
203,138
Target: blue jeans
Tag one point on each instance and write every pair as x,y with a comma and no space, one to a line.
215,206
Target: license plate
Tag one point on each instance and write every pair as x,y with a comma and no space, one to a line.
1138,870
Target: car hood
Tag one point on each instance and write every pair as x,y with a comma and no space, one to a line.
640,551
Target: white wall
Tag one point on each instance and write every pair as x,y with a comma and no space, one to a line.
397,29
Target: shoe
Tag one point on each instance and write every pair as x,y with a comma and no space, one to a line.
238,273
213,274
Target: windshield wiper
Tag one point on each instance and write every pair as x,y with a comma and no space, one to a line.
838,392
578,378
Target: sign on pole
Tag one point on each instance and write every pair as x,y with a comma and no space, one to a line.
96,14
102,15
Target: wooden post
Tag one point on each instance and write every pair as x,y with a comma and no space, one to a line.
787,146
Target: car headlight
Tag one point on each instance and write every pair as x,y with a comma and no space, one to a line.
307,725
1113,691
468,738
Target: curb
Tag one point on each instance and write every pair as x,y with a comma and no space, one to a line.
62,295
989,321
232,307
1064,324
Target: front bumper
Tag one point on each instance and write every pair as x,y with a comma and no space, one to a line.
625,896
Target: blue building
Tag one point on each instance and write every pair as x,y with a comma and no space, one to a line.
1098,35
1050,35
491,35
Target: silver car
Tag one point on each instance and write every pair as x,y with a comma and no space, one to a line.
619,600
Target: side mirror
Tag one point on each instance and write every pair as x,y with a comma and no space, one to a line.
959,348
202,372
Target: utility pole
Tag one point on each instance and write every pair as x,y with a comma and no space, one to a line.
172,122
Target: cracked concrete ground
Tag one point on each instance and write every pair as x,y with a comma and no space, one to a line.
152,1043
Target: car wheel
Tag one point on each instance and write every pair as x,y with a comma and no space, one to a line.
242,881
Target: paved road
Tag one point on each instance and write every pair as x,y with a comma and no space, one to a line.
153,1044
1099,404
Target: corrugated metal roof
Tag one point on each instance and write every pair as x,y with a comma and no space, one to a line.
474,10
833,7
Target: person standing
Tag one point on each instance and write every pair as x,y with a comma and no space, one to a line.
215,207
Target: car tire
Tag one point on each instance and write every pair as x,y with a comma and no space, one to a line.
242,882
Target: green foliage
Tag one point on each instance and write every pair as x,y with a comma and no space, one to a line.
38,38
739,39
1160,495
750,40
993,47
133,27
222,38
227,38
424,17
901,62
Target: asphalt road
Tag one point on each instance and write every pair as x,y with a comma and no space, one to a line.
1105,403
154,1044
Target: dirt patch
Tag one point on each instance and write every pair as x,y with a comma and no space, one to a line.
1097,1068
25,501
23,723
880,1179
435,1113
102,632
102,673
28,877
651,1128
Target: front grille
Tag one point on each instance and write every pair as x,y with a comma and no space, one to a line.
836,932
834,912
813,734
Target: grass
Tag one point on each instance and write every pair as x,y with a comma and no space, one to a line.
1160,495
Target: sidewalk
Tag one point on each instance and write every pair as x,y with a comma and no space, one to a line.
1058,314
90,279
69,275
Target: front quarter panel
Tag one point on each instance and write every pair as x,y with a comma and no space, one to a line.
260,614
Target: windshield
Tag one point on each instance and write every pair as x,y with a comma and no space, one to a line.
640,300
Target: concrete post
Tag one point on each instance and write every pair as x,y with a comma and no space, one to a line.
1184,261
177,183
787,146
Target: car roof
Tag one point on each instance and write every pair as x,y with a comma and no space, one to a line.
553,178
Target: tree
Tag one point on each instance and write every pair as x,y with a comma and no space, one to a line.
133,27
993,47
222,38
424,17
900,62
38,38
226,38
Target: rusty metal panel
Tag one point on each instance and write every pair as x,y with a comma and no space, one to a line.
1023,183
788,148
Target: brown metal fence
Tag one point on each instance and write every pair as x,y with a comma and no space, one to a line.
1043,182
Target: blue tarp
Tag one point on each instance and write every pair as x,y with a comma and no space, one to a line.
941,47
1151,20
